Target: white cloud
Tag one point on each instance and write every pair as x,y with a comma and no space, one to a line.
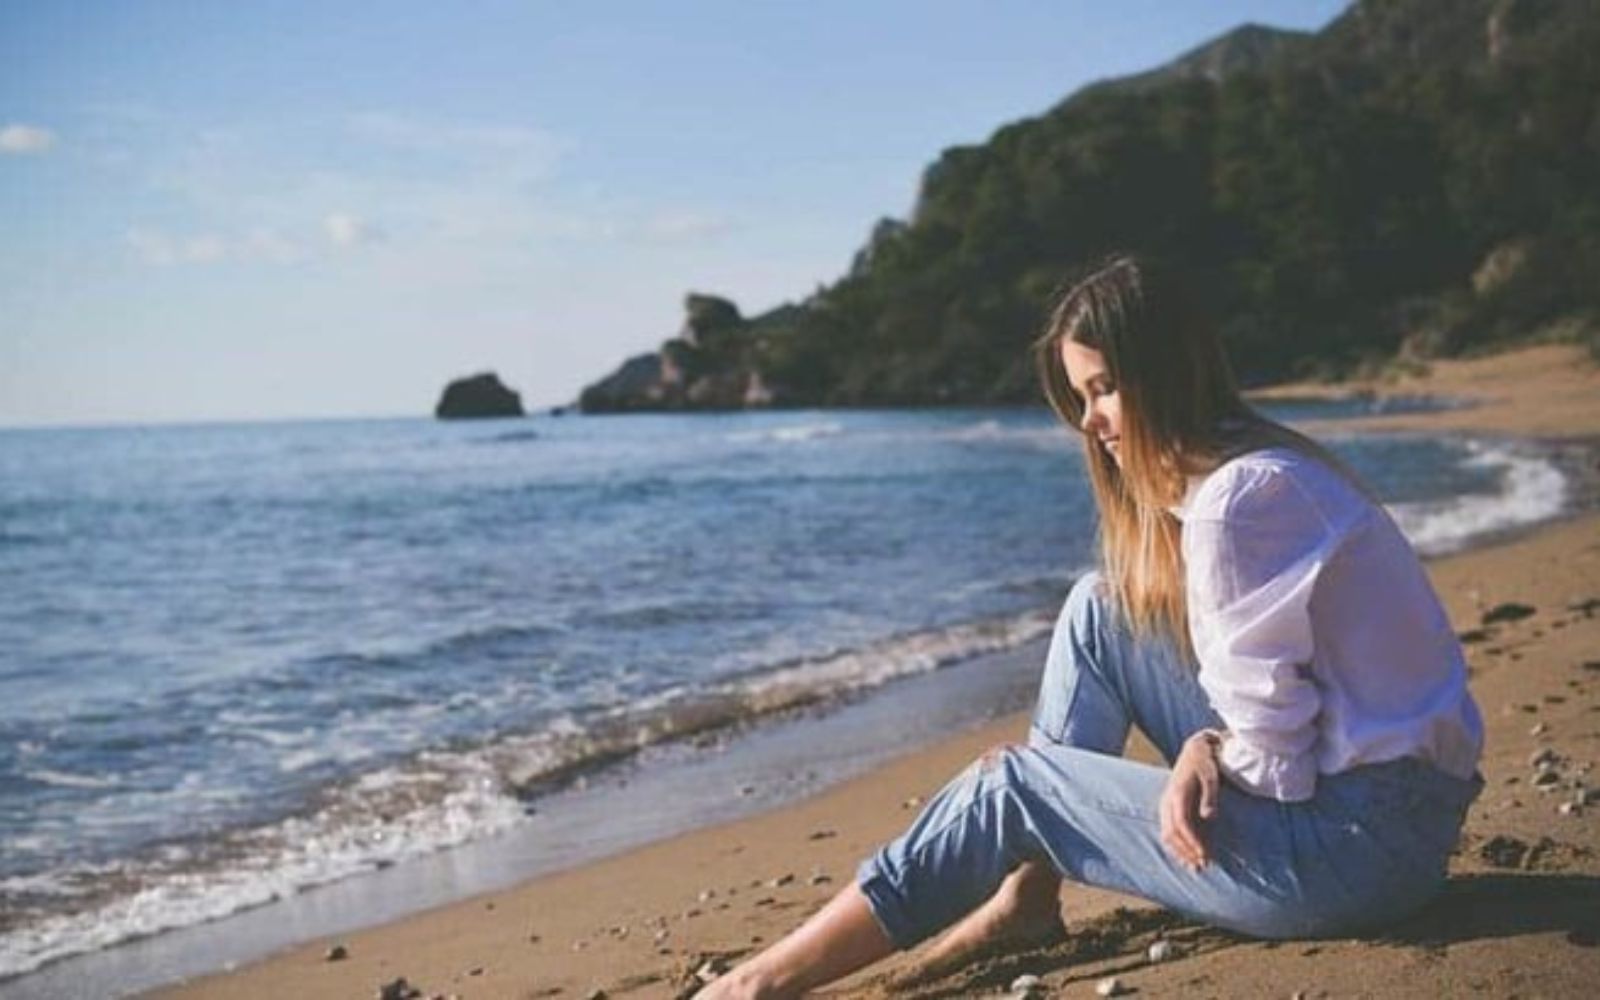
345,230
21,140
537,147
673,226
204,249
263,243
160,248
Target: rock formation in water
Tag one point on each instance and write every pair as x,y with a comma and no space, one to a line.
478,396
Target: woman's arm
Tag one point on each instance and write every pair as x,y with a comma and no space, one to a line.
1254,548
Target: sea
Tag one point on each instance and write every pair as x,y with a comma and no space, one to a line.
242,661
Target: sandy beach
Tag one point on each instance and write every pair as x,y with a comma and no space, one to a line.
1520,916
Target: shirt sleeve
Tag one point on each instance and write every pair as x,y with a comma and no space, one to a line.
1252,555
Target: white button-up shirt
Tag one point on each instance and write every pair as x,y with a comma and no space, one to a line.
1321,642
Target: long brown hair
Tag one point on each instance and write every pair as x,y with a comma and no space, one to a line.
1182,415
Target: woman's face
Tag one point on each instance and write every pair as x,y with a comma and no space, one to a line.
1102,404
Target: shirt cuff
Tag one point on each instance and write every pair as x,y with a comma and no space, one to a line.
1284,777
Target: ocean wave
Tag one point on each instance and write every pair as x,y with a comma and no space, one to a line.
510,437
1533,489
433,800
790,434
63,779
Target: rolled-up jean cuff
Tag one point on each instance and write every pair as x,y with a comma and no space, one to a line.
886,903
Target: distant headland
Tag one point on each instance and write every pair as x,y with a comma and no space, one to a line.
1409,182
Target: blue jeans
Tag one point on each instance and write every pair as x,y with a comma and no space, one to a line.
1371,845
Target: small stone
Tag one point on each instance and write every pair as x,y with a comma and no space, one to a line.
1538,729
710,969
706,895
398,989
476,970
1026,984
1108,987
911,803
1543,755
1159,951
690,913
1546,780
781,880
337,953
822,834
1569,809
597,994
1510,611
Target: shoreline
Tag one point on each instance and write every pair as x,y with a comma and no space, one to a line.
722,891
632,874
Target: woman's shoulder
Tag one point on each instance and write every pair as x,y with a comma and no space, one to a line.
1271,481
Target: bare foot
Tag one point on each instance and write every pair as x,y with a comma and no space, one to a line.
1024,912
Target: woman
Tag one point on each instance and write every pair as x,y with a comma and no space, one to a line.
1265,624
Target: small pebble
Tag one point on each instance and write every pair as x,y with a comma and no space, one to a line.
398,989
337,953
1546,780
1543,755
662,935
1160,951
1026,984
821,834
706,895
709,970
597,994
1569,809
476,970
1538,729
1109,987
781,880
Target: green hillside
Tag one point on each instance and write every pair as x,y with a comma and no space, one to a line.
1419,178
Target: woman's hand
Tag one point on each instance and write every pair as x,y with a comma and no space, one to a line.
1190,798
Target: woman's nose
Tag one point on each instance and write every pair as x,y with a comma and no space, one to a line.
1089,418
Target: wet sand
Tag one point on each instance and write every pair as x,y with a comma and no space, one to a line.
1520,916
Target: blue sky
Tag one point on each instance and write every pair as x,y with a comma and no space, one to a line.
222,211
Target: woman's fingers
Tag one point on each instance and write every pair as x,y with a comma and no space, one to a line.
1209,784
1178,832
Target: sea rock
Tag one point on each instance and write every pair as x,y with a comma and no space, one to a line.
337,953
1109,987
477,396
1027,985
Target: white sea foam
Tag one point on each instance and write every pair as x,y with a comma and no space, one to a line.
64,779
791,433
386,817
1533,489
